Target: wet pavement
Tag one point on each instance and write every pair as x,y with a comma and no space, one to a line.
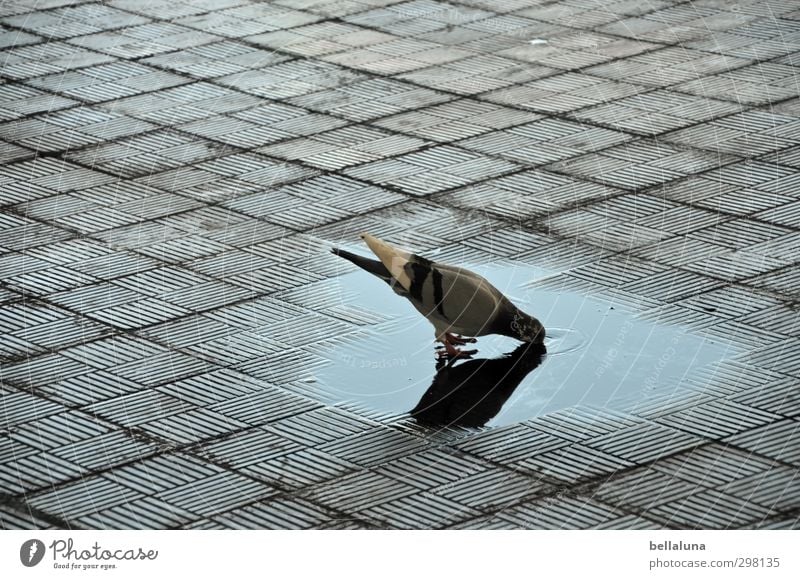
180,349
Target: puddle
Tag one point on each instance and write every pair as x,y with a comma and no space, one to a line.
598,354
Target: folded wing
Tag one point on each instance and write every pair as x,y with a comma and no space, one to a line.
464,299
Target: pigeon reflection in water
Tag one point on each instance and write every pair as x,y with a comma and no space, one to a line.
473,392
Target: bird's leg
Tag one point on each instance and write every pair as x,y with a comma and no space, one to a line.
449,349
458,340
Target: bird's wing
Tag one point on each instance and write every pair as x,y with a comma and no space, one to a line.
456,294
462,297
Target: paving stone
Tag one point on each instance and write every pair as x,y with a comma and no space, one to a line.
173,175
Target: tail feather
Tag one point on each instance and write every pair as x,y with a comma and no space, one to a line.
373,266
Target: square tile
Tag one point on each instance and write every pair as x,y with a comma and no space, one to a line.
659,111
561,93
432,170
369,99
639,164
544,141
107,82
247,19
215,59
74,20
291,79
455,120
344,147
24,60
144,40
758,84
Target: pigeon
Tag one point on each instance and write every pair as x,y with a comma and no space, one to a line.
459,303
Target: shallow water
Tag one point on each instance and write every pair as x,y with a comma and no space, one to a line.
598,354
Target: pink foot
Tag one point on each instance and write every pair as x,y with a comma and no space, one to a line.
448,348
458,340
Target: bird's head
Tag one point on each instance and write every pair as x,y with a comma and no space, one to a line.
527,328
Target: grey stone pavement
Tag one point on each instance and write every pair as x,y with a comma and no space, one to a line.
174,173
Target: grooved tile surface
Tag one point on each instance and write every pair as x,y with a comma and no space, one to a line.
174,174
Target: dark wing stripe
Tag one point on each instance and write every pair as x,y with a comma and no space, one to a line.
422,260
438,293
419,273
